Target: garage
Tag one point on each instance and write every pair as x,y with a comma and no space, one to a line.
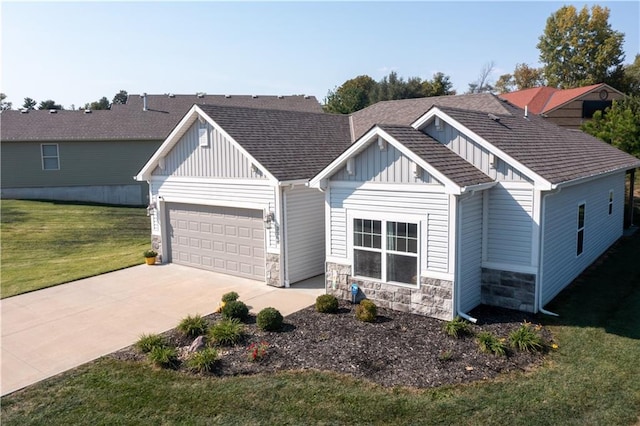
221,239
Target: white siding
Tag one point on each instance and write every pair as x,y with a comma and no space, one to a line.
221,158
474,153
470,255
509,233
304,233
388,165
433,207
560,262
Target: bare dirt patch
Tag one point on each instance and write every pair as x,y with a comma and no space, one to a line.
398,349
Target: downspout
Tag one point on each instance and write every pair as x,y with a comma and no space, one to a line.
458,263
541,254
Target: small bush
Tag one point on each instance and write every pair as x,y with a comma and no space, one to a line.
366,311
230,297
526,339
164,356
226,332
457,327
147,342
203,361
235,309
193,326
269,319
257,351
327,304
491,344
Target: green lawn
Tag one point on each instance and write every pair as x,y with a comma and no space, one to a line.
49,243
592,379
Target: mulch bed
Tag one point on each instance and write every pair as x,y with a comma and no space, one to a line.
398,349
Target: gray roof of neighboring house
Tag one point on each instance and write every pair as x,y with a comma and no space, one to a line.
406,111
290,144
555,153
129,121
454,167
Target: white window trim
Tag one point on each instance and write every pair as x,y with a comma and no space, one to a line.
579,229
384,218
43,157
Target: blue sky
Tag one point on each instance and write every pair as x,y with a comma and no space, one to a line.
77,52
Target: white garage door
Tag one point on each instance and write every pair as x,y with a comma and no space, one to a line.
221,239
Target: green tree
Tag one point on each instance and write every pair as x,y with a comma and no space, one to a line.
352,96
29,104
439,85
392,87
631,84
103,103
4,105
120,98
579,49
523,77
618,125
49,104
505,83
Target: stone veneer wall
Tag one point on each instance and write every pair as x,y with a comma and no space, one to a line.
434,297
273,270
512,290
156,244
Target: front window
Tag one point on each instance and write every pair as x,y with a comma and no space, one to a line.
50,160
394,257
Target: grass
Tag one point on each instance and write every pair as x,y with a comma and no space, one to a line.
593,378
48,243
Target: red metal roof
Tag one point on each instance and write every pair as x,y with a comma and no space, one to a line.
540,100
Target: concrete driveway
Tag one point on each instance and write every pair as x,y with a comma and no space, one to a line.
53,330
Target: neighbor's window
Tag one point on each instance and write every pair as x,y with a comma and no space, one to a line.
203,134
50,159
394,257
580,243
610,202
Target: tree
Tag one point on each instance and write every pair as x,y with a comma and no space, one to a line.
439,85
4,105
103,103
482,84
631,84
120,98
505,84
29,104
579,49
49,104
523,77
392,87
352,96
619,125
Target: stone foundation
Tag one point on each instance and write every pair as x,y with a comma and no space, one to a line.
434,297
156,244
512,290
273,270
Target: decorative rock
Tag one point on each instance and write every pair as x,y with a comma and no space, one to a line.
196,345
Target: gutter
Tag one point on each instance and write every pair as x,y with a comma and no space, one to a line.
458,262
538,290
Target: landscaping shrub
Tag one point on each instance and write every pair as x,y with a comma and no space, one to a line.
256,352
235,309
164,356
269,319
203,361
491,344
457,327
230,297
147,342
226,332
524,338
327,304
193,326
366,311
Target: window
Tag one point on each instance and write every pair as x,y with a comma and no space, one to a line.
394,257
590,107
203,134
50,160
580,239
610,202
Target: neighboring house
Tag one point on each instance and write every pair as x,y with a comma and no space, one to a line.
92,156
567,108
228,190
442,204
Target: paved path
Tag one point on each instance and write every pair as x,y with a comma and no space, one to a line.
53,330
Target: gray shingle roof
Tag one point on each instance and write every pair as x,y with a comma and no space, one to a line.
129,121
290,144
454,167
555,153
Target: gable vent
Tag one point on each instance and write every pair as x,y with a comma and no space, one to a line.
494,117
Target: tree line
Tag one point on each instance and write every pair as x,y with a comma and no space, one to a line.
31,104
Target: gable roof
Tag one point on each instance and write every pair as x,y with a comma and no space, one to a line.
129,121
557,154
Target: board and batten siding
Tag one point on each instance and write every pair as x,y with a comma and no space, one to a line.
474,153
509,224
388,166
561,264
432,206
304,233
220,158
470,254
